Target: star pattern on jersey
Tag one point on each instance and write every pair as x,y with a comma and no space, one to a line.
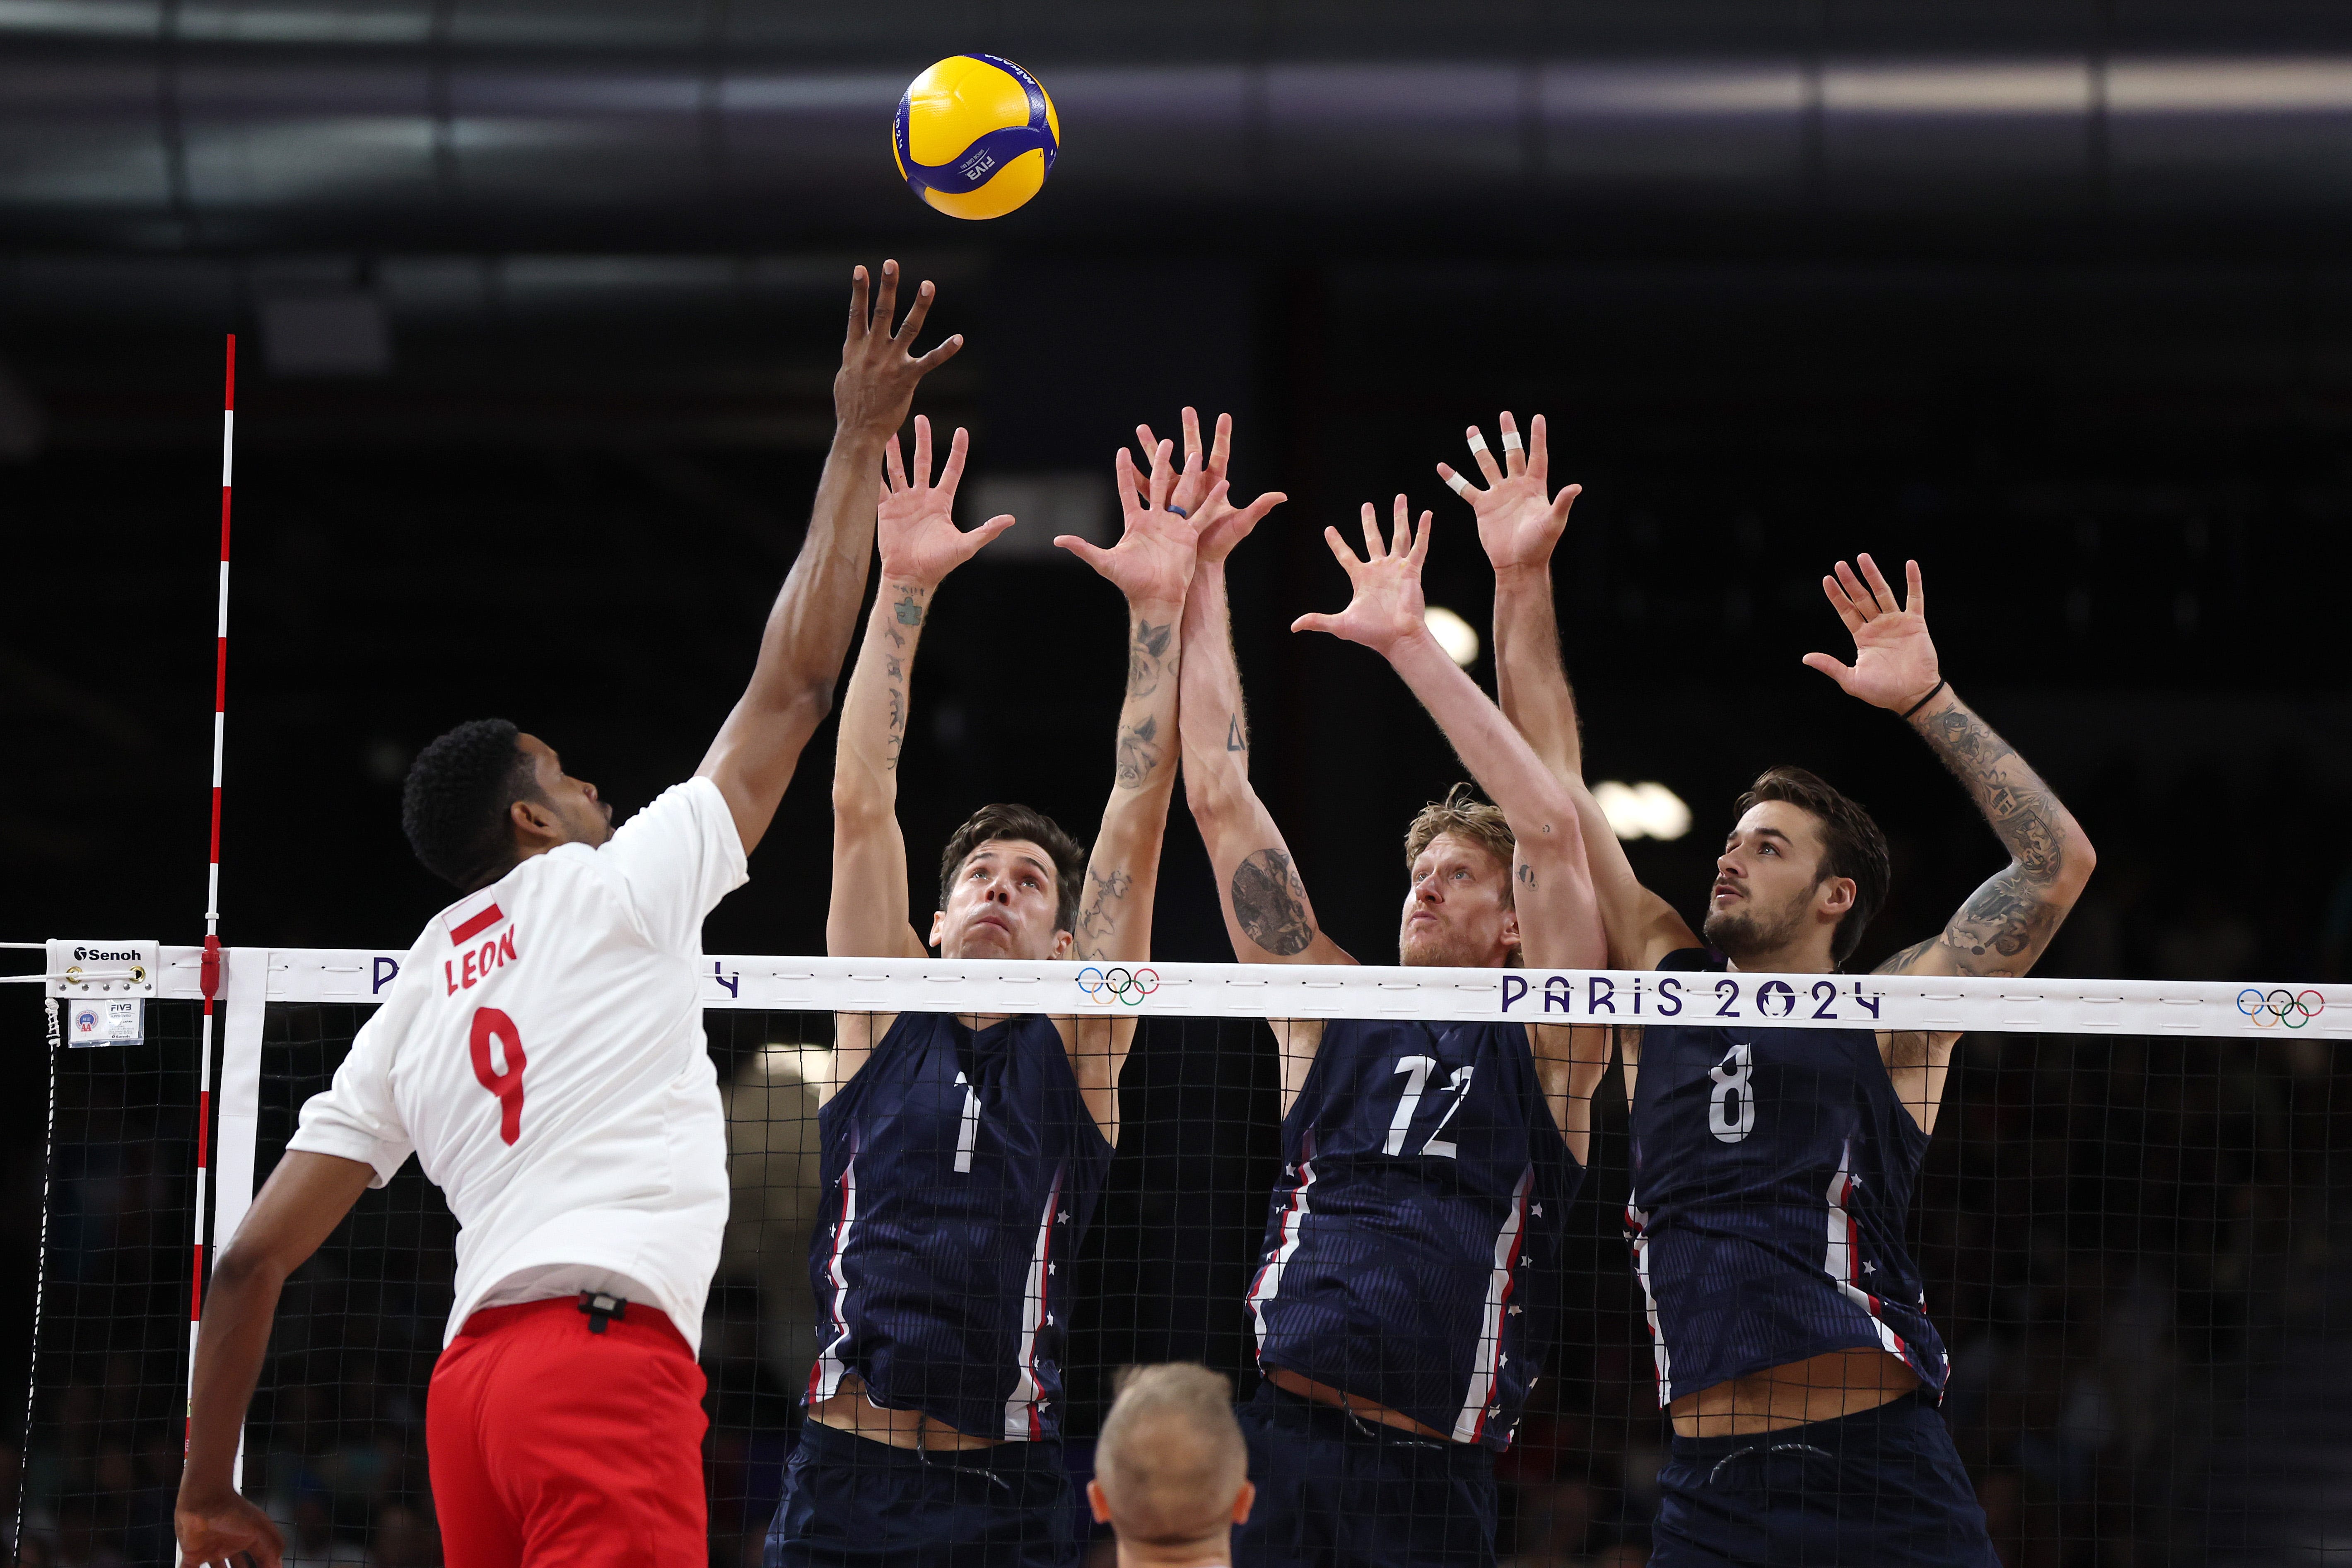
1517,1310
1536,1211
1064,1218
1869,1267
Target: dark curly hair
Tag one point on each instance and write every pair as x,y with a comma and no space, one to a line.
1035,826
454,805
1852,846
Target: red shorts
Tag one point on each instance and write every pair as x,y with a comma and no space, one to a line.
552,1445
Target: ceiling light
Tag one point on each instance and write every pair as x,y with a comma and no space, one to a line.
1457,637
1646,810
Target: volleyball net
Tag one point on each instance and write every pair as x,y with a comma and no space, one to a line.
2127,1225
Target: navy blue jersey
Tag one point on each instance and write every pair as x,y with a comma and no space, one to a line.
962,1168
1772,1171
1413,1245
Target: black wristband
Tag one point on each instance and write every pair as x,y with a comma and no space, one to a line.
1925,700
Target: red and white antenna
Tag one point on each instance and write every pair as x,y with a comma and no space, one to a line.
209,974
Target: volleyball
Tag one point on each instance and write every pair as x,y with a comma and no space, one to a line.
975,136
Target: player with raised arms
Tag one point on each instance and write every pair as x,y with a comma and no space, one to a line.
1773,1168
1406,1291
541,1054
963,1156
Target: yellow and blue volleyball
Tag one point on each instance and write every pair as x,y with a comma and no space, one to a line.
975,136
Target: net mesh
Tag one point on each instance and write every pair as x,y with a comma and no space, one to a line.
2131,1247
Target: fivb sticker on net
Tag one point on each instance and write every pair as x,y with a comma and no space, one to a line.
107,1021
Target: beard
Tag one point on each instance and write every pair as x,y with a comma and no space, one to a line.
1739,933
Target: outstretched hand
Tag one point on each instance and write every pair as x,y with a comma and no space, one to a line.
1519,521
1152,562
1387,609
914,522
1894,664
876,384
224,1529
1199,492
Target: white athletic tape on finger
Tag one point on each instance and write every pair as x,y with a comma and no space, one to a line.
1511,441
1461,485
1478,442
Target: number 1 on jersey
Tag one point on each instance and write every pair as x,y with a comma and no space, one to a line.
489,1024
967,1134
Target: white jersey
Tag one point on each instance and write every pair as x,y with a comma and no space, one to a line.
543,1054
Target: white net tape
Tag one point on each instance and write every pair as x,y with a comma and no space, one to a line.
2029,1005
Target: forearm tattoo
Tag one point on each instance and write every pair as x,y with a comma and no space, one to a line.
2014,914
1270,903
1147,656
1098,919
1139,754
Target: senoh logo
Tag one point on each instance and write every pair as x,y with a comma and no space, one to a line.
106,955
1112,987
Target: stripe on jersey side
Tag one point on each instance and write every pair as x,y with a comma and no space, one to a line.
1845,1245
1021,1422
1487,1359
1268,1283
825,1377
1639,1222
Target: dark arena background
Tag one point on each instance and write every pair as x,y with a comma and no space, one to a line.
539,305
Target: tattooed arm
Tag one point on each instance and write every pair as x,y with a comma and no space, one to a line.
1520,524
1267,912
2009,922
920,544
1151,564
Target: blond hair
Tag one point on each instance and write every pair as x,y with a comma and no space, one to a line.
1466,816
1170,1460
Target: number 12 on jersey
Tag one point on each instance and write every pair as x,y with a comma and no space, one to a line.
1417,1070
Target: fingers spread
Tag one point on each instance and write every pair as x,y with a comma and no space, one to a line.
1840,673
1879,588
1863,604
1221,446
886,296
1420,543
1373,548
1191,436
1455,481
891,464
856,304
1401,530
922,470
924,294
954,469
1515,458
1312,623
1842,604
1130,497
1486,459
1562,502
1917,600
940,356
1163,474
1255,513
1539,455
1347,557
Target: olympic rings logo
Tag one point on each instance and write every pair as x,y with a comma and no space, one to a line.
1118,986
2269,1009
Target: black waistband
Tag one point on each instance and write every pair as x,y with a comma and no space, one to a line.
1831,1435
